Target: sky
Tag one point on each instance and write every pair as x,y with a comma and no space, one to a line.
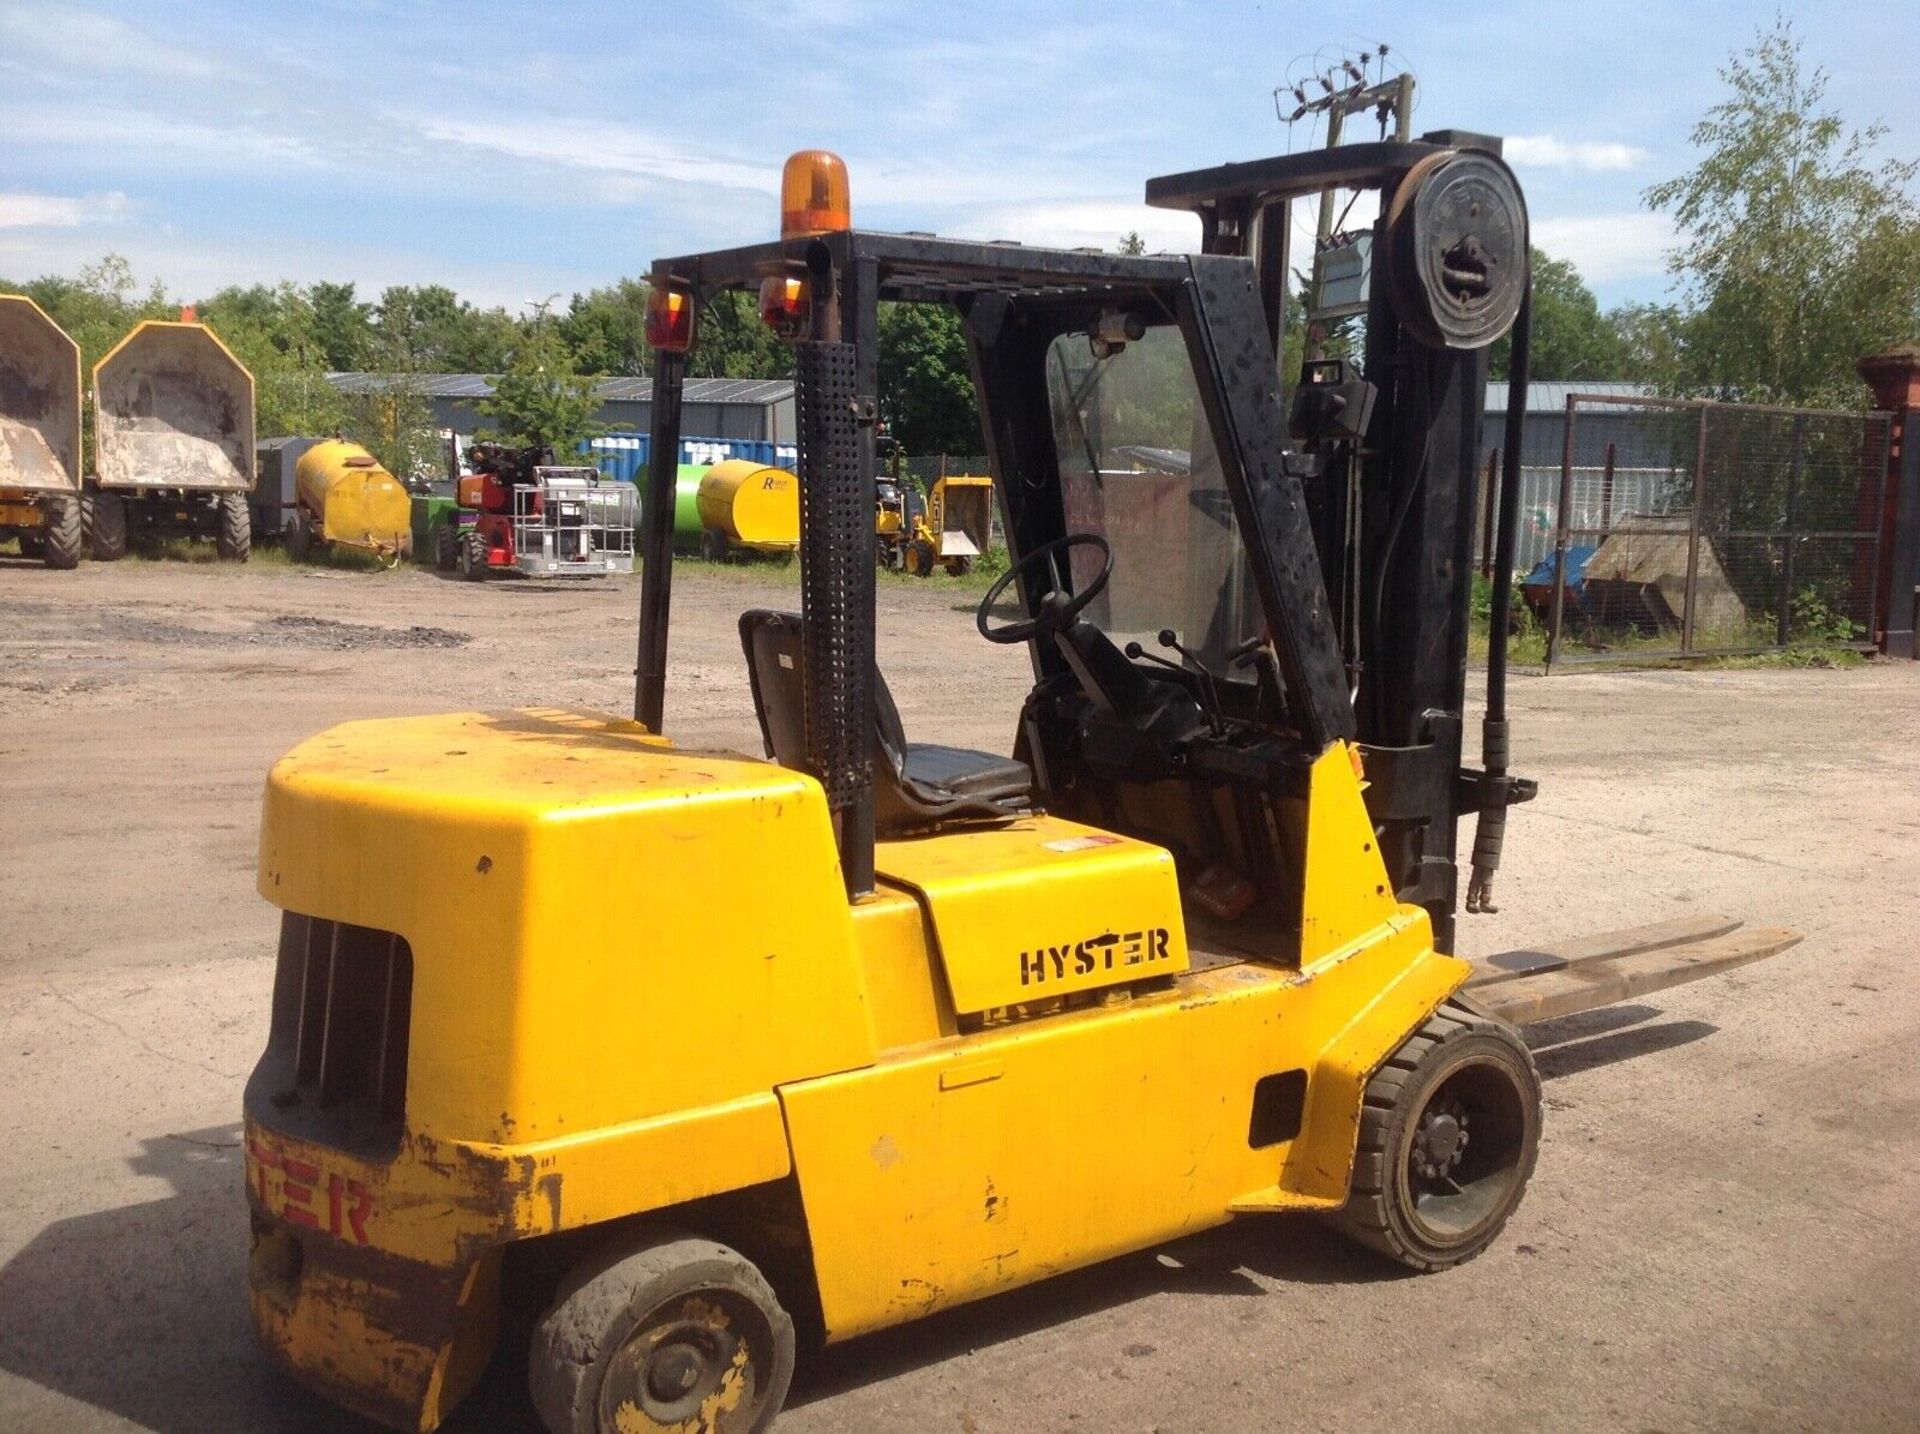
518,151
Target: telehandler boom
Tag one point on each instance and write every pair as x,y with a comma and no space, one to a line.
977,1020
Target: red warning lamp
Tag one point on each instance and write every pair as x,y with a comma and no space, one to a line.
785,305
813,195
669,319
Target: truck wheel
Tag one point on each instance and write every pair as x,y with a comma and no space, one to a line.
103,521
233,539
889,555
299,537
446,547
681,1333
920,558
1449,1130
473,555
61,540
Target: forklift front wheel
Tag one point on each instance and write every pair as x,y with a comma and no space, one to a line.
681,1333
1449,1130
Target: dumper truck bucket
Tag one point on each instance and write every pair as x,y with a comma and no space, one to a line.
1563,979
39,401
173,408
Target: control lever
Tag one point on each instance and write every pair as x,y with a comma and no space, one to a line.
1216,718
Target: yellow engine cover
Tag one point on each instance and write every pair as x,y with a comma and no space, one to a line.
1041,908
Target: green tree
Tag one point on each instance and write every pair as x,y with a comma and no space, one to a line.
607,329
1799,251
926,384
395,422
1650,336
1572,339
342,325
442,333
274,332
733,343
1132,243
541,400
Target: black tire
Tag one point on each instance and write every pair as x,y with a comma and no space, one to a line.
919,558
660,1337
889,555
103,522
1449,1132
446,547
714,546
233,539
958,567
62,541
299,537
473,556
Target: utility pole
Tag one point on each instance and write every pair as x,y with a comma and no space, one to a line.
1345,89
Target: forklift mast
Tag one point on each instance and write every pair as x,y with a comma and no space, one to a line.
1355,514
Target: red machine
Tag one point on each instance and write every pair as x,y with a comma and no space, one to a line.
520,513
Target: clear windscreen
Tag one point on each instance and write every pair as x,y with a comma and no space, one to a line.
1139,467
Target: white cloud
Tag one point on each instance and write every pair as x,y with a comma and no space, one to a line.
92,43
1544,151
155,138
1607,248
596,145
19,210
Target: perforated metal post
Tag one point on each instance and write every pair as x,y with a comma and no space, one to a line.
836,587
656,541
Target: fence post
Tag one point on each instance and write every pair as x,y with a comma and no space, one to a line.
1783,624
1693,534
1606,492
1560,536
1894,378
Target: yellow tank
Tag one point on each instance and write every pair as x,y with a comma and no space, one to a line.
348,500
744,504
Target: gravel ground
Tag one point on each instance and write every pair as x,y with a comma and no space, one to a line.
1718,1236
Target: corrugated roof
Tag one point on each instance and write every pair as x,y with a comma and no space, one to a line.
1551,396
760,391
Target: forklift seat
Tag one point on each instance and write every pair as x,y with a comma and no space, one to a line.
916,784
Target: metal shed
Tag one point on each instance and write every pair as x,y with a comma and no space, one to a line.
755,409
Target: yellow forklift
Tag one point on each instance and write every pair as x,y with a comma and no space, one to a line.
691,1057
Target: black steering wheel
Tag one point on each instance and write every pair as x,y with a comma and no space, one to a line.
1056,611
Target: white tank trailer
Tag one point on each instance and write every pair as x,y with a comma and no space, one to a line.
40,449
172,442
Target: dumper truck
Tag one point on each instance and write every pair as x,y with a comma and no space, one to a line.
39,434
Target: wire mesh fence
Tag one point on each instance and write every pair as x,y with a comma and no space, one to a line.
1676,528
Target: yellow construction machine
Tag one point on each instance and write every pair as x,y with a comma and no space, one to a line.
949,531
690,1057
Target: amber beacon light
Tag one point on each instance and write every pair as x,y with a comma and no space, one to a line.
813,195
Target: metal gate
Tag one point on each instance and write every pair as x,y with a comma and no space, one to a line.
1688,527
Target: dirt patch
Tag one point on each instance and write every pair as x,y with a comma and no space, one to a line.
286,630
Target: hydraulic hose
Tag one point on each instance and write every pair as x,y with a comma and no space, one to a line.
1491,830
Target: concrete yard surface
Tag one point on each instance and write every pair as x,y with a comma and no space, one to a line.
1720,1233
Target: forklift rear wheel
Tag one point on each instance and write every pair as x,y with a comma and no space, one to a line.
920,558
103,519
473,555
1449,1130
681,1333
233,539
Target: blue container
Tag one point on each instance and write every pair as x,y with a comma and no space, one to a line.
624,455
